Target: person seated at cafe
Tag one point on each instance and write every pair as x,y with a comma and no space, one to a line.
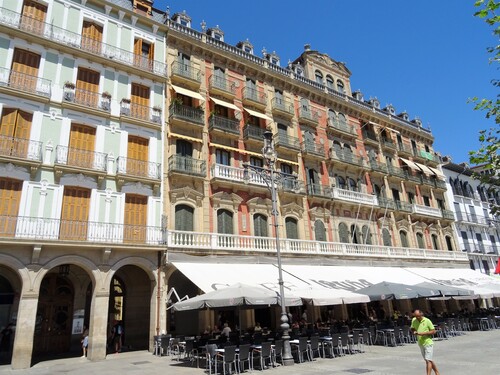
257,327
226,330
216,330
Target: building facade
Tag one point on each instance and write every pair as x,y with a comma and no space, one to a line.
478,231
124,137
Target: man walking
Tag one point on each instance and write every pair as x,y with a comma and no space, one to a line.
424,329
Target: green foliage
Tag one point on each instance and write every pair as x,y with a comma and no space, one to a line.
488,153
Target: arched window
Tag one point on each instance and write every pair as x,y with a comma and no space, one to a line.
340,86
348,155
420,240
332,118
224,222
184,217
435,241
378,192
449,243
318,76
260,225
453,186
330,83
341,182
353,186
292,228
355,235
386,237
367,236
319,231
343,233
404,238
342,120
337,147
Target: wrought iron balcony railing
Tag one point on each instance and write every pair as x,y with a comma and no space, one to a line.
138,168
87,98
185,70
312,148
253,132
81,158
25,82
286,142
225,124
187,165
187,113
283,106
20,148
335,124
224,84
254,95
140,112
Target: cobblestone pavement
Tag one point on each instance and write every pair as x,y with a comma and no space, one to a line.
473,353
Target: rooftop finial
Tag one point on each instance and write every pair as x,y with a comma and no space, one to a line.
203,25
307,47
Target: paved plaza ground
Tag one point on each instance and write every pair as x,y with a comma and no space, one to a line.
474,353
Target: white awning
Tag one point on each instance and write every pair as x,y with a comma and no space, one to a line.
192,94
258,114
411,164
483,285
425,169
187,138
225,104
438,173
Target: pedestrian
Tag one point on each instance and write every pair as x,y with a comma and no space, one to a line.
85,341
116,336
424,329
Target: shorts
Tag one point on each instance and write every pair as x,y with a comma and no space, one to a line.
427,352
85,342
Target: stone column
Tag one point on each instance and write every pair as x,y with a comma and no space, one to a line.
25,329
98,330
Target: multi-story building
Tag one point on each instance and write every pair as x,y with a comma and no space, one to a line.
124,135
478,231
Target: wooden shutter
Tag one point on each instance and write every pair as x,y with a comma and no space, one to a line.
319,231
343,233
224,222
420,241
139,106
81,146
10,196
386,236
33,16
24,71
135,218
137,156
260,225
291,226
404,239
91,36
87,87
15,128
142,59
184,216
75,213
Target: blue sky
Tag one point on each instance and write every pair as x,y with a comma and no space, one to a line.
425,57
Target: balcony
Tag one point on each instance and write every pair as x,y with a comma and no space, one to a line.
25,83
253,96
184,72
335,126
109,54
309,116
396,171
404,149
376,166
63,231
430,157
134,169
236,244
68,158
240,175
472,218
354,196
388,144
440,184
252,132
286,142
20,150
370,136
414,177
224,124
447,214
140,112
404,206
346,158
88,100
313,149
187,166
318,190
186,114
222,86
386,203
291,184
427,211
282,107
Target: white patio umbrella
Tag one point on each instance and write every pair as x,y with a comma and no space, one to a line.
328,297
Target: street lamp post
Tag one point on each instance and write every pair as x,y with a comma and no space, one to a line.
269,176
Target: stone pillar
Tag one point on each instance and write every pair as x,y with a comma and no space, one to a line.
25,329
98,330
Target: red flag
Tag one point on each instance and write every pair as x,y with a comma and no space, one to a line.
497,270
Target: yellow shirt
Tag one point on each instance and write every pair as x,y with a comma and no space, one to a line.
424,325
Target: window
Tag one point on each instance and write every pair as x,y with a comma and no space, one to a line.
24,70
440,203
319,231
91,37
184,218
427,201
449,243
304,105
292,228
10,196
411,197
139,101
135,218
81,146
260,225
414,147
342,120
256,162
395,195
341,182
420,240
367,236
15,130
143,54
353,186
330,82
87,87
404,238
313,180
318,76
435,242
355,235
137,156
222,157
286,168
183,148
386,237
332,118
344,233
340,86
75,213
224,222
33,16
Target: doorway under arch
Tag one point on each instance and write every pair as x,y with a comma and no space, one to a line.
10,289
